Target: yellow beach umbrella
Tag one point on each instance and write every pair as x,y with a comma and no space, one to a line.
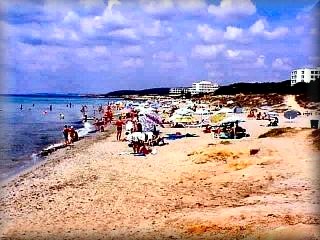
218,117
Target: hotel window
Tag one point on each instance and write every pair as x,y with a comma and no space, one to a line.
302,76
302,72
312,72
312,76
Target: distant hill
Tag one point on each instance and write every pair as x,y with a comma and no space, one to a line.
308,91
150,91
283,87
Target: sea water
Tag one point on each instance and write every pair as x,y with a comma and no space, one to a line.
24,133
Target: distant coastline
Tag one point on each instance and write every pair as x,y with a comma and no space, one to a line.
282,87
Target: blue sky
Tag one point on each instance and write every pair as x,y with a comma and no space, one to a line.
96,46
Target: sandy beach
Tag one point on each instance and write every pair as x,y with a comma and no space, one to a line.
193,188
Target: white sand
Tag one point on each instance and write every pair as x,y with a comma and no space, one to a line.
92,192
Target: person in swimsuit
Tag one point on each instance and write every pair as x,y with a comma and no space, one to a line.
72,134
119,124
65,134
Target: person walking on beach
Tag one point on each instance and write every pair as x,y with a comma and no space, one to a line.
119,124
65,134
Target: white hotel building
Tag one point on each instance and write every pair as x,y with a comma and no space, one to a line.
203,87
304,75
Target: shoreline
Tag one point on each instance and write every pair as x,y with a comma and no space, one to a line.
87,140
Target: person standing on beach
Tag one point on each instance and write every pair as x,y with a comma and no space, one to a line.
72,134
119,124
65,134
50,107
21,107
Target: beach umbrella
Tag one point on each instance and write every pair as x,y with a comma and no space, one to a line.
291,114
218,117
147,125
153,117
232,119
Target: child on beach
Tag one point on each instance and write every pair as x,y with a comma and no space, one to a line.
119,124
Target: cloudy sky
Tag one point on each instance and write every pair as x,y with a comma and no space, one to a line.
97,46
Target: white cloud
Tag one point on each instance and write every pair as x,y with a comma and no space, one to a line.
113,17
71,17
207,51
233,33
133,51
125,33
90,25
156,30
282,64
101,51
64,34
239,54
112,3
260,62
191,5
157,7
133,63
260,28
209,34
276,33
104,23
232,8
